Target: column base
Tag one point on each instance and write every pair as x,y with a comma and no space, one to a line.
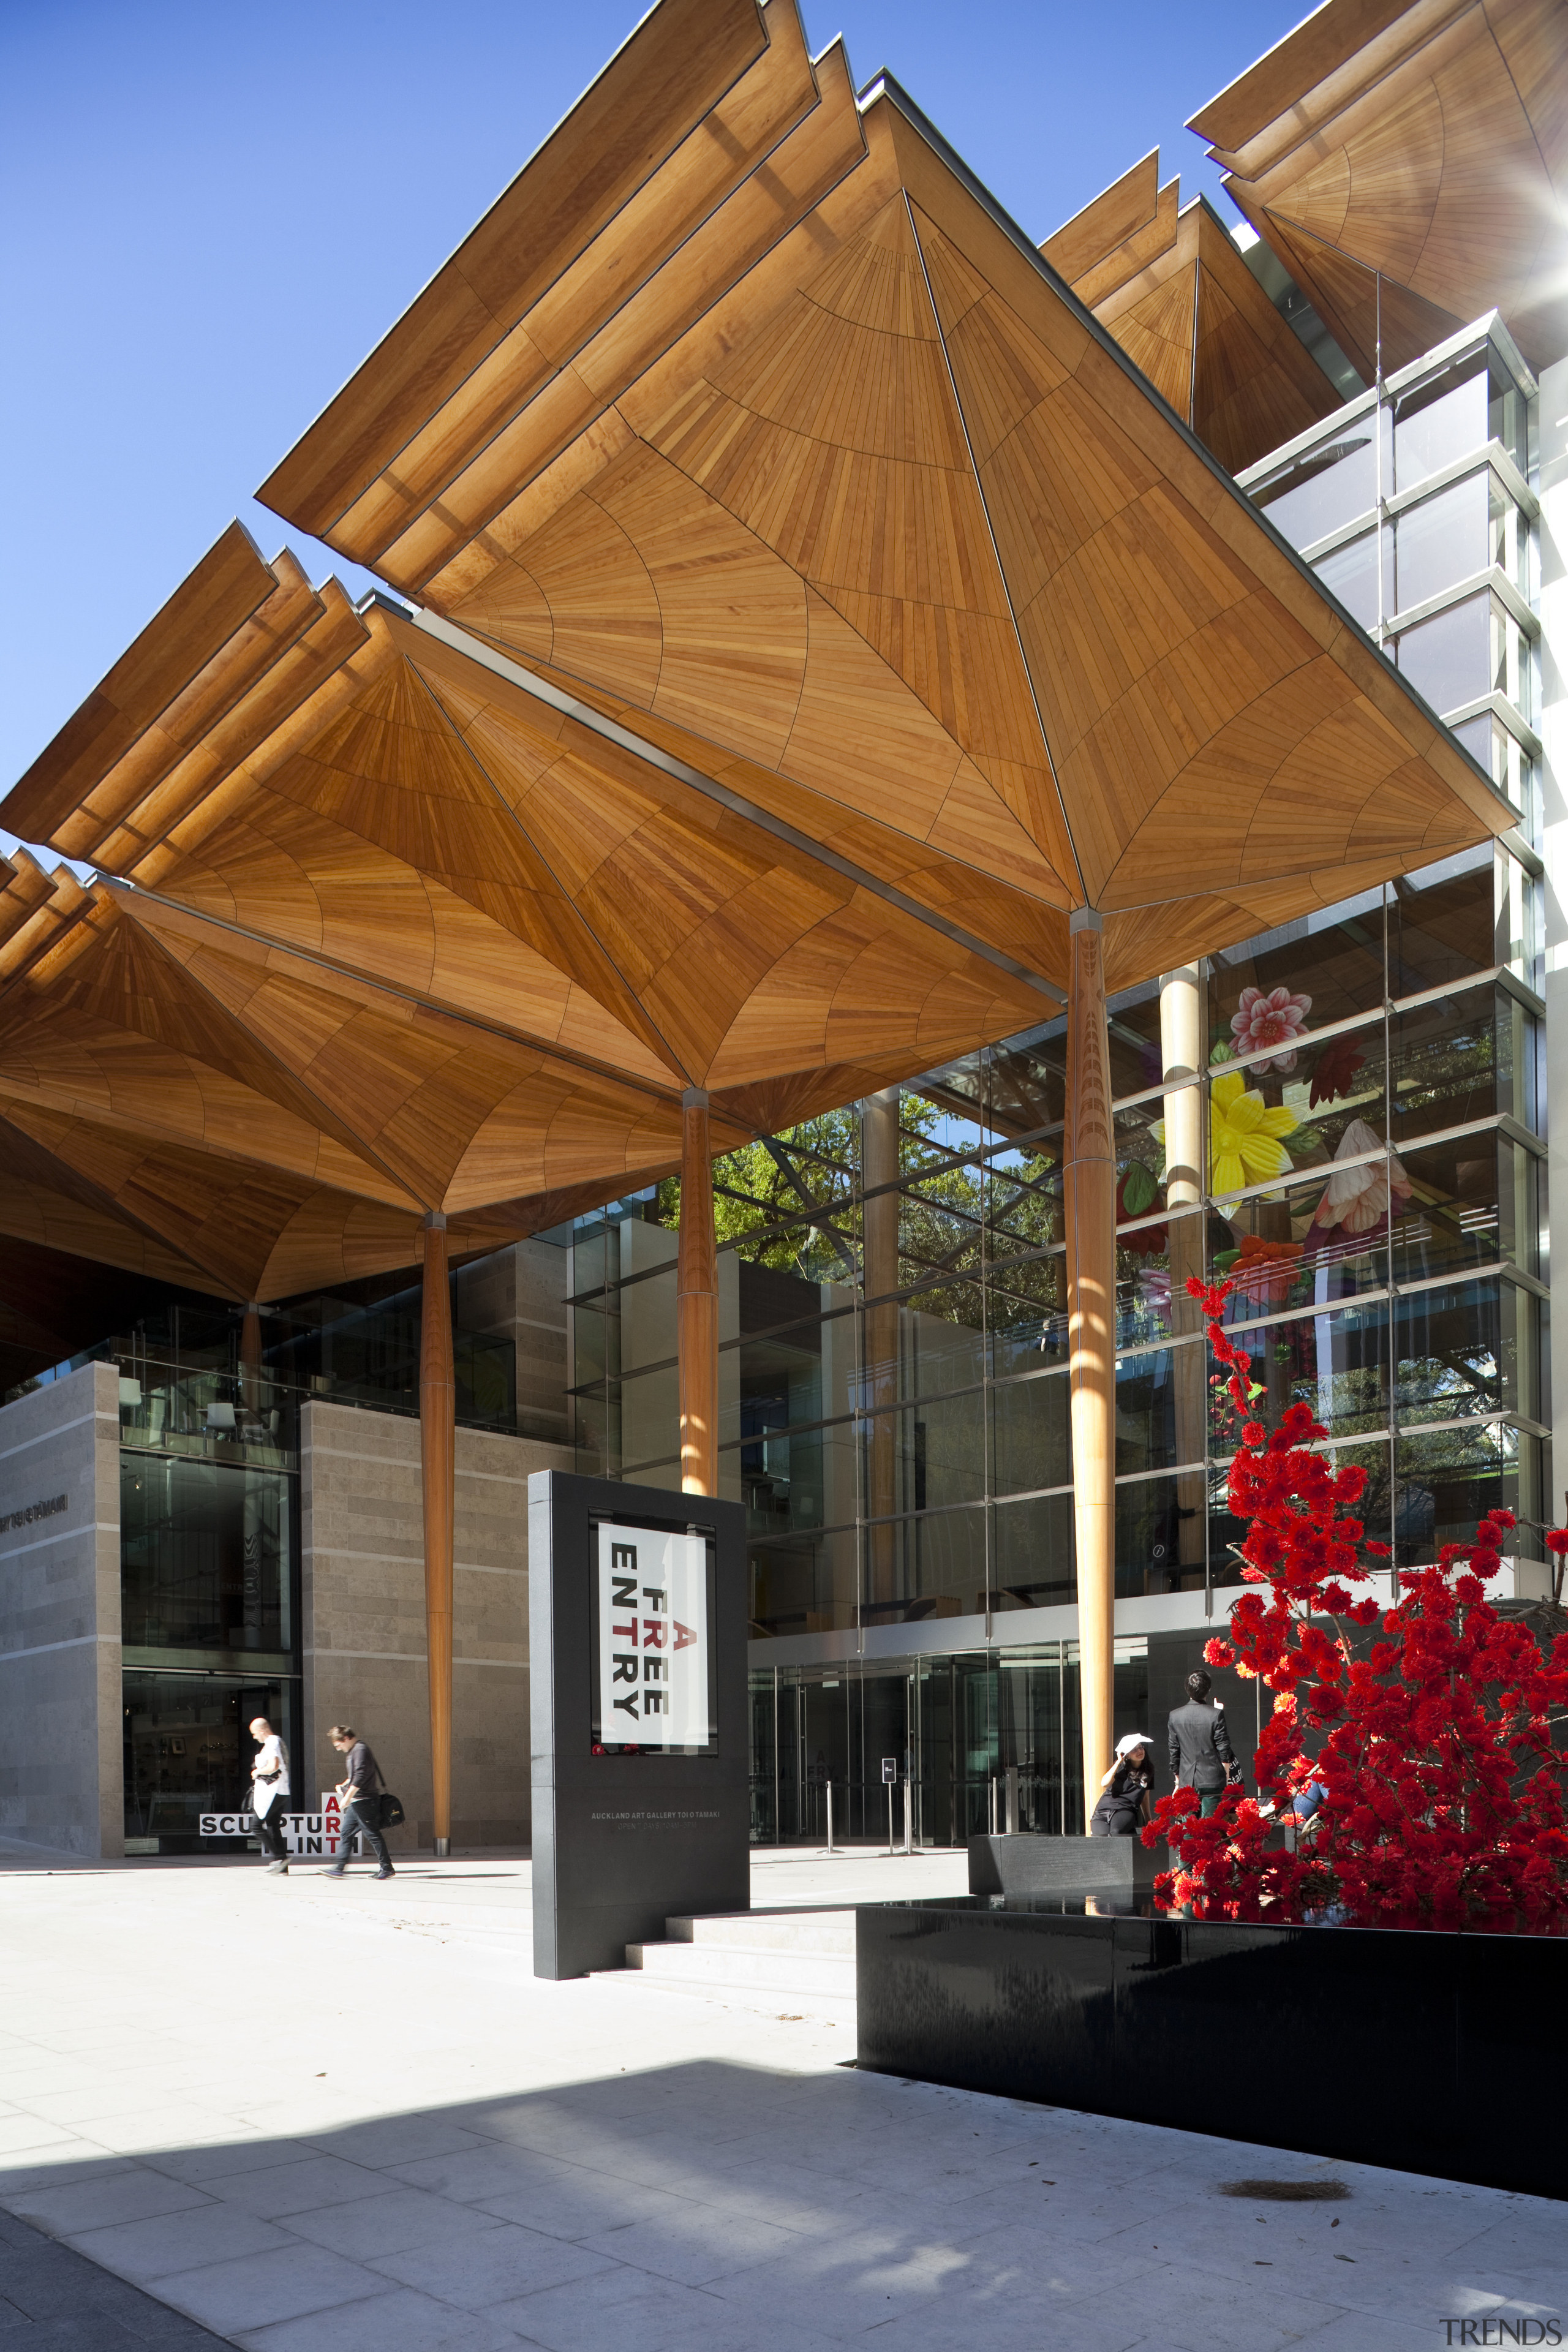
443,1849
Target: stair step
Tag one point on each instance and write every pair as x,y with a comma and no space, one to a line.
820,1975
823,1932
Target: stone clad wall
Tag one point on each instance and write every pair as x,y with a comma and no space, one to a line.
60,1767
516,1294
362,1615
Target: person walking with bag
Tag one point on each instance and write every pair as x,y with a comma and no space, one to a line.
268,1788
360,1804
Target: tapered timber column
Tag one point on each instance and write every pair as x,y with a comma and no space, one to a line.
437,1451
697,1303
1090,1188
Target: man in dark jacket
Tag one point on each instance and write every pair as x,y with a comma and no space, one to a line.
360,1815
1202,1757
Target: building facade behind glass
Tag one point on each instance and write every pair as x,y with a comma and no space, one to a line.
1346,1117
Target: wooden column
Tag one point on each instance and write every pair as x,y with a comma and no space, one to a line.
1089,1174
437,1463
697,1303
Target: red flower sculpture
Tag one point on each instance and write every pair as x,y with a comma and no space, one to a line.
1265,1270
1338,1063
1442,1797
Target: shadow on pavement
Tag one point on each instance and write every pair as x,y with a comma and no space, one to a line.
51,2295
741,2209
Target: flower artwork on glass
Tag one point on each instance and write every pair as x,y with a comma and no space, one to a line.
1335,1075
1410,1745
1357,1202
1262,1272
1274,1019
1138,1195
1245,1146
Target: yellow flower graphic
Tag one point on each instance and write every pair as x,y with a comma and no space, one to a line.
1244,1136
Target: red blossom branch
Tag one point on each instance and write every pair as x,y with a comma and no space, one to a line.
1430,1737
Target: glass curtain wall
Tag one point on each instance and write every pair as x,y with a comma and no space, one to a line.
209,1565
1344,1116
1415,504
1358,1150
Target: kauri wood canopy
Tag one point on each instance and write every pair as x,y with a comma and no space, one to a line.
402,940
1167,280
1426,145
753,423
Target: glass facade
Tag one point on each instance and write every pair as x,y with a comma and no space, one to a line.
893,1382
1413,504
209,1517
1344,1116
210,1401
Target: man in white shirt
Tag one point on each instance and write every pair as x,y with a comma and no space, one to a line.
268,1788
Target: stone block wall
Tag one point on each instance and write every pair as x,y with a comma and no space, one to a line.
60,1761
519,1294
362,1616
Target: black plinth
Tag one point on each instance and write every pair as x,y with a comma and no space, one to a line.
1022,1863
623,1839
1434,2054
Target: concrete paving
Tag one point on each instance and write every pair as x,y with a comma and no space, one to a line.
342,2117
54,2300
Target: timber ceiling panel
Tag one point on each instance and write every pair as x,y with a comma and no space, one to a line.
181,1096
1183,304
878,534
1429,143
424,823
432,943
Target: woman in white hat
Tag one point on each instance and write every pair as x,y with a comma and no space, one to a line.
1124,1792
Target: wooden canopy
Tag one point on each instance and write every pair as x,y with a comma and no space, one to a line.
186,1103
1427,142
797,458
1167,280
403,937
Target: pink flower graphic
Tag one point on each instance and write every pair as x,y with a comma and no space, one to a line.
1271,1020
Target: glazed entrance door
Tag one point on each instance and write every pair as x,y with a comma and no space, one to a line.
813,1727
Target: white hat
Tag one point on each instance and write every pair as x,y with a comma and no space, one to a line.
1133,1740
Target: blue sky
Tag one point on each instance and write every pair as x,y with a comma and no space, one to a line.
212,213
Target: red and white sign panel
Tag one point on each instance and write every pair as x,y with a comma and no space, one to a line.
304,1834
653,1638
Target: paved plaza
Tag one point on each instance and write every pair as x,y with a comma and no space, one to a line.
345,2117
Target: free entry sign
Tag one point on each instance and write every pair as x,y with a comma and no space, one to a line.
638,1714
653,1683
